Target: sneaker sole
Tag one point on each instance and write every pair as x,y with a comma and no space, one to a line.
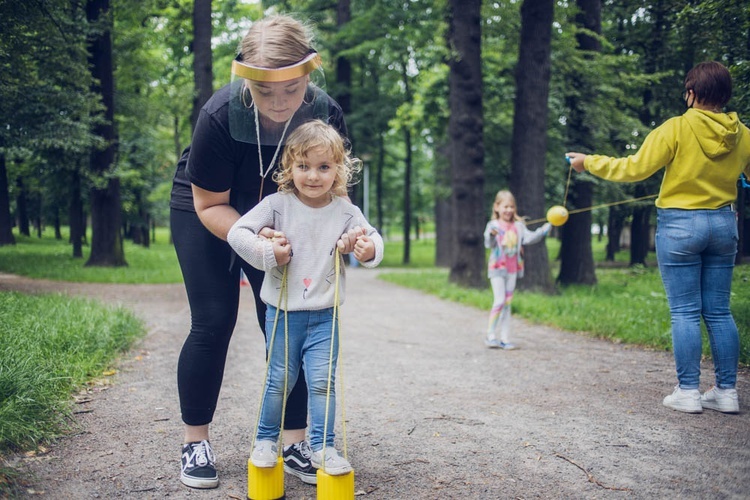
337,472
333,471
303,476
264,465
710,406
684,409
201,484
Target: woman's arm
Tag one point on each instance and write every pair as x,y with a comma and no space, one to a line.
214,211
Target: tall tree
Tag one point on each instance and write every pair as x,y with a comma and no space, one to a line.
202,63
106,235
465,128
529,144
656,60
6,233
576,256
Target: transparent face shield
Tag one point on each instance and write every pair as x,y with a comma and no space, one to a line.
267,104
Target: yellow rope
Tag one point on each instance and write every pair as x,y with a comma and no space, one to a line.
567,186
336,322
579,210
282,294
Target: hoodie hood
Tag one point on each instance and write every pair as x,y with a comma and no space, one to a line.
716,133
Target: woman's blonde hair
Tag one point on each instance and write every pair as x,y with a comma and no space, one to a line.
276,41
309,136
504,195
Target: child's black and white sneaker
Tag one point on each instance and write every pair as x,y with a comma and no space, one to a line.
198,465
297,462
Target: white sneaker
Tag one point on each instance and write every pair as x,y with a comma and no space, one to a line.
685,400
265,453
335,464
723,400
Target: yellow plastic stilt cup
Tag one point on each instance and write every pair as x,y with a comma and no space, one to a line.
335,487
265,483
557,215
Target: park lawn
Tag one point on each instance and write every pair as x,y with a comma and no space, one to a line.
52,346
52,259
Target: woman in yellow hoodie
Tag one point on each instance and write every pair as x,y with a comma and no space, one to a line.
703,153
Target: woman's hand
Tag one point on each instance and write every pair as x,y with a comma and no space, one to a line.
267,233
576,161
348,240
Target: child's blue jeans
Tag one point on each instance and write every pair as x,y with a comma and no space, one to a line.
313,347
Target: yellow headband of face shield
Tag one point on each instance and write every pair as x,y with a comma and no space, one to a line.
249,72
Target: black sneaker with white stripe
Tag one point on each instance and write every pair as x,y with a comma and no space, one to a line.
198,465
297,462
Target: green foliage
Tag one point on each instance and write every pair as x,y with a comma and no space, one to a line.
52,345
45,102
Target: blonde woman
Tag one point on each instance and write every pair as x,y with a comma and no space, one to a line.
238,139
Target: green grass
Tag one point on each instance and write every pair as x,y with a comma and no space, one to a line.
51,345
53,259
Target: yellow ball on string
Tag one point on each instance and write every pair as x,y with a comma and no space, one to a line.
557,215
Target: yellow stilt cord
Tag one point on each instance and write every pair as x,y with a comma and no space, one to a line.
267,483
335,487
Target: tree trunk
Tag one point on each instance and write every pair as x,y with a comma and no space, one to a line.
443,214
529,144
741,224
22,208
379,182
176,132
76,216
615,224
640,234
576,255
106,239
640,230
343,65
38,215
442,232
6,223
407,195
58,232
465,129
203,76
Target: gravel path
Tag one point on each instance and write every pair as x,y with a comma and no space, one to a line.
431,413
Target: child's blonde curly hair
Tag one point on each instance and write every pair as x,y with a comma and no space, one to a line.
311,135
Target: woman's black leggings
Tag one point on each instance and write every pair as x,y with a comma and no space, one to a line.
213,291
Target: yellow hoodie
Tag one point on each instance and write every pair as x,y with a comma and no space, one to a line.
703,153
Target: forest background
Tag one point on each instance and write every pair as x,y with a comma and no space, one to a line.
446,101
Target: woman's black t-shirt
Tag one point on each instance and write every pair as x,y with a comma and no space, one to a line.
216,162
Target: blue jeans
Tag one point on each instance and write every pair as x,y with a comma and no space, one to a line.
313,346
696,251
